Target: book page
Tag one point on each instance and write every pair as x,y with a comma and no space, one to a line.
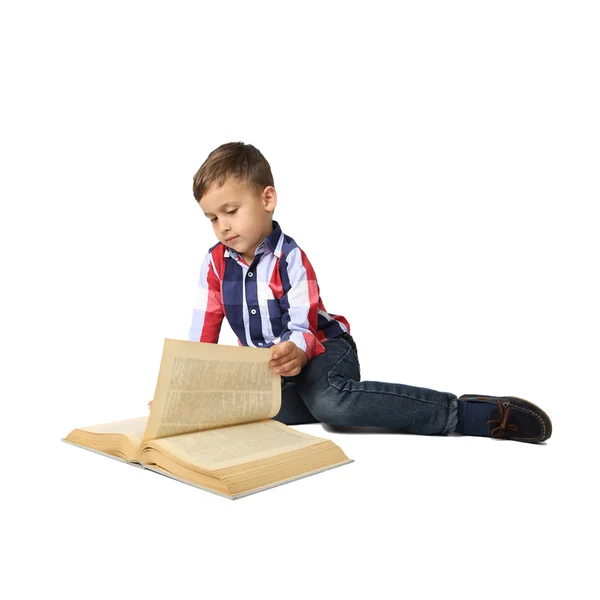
132,428
205,386
236,444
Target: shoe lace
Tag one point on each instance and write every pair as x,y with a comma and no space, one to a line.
504,426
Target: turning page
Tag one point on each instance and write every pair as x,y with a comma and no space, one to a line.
205,386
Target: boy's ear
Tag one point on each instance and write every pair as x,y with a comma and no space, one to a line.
270,196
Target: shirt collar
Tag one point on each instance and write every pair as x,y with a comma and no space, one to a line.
269,243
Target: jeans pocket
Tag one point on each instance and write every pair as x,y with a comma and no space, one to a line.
350,341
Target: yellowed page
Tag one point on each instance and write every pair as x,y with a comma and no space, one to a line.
204,386
219,448
132,428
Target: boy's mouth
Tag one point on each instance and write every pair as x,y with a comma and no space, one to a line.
231,239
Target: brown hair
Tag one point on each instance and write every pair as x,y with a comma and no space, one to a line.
242,161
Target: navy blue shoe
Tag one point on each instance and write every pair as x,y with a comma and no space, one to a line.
508,417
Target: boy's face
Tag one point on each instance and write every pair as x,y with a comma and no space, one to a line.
234,210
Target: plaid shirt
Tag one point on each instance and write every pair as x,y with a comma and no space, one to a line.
274,299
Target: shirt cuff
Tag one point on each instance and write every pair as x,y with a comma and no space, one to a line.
308,342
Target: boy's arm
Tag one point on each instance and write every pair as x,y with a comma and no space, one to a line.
207,314
300,303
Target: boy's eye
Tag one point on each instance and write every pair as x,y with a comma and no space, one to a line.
229,213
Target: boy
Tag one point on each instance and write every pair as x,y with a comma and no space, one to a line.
260,279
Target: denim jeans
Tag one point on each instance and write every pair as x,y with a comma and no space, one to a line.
329,390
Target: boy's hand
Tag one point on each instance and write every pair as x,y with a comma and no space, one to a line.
150,405
287,359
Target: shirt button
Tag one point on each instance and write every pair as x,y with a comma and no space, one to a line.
253,311
250,273
260,343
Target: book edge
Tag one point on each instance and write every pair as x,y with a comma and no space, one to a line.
249,492
160,471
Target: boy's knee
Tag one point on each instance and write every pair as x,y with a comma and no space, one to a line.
329,407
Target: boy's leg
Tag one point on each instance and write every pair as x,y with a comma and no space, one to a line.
330,387
293,410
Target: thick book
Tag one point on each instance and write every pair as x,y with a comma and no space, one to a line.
210,424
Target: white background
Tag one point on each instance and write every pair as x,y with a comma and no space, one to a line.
438,163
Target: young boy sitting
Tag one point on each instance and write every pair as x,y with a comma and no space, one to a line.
262,281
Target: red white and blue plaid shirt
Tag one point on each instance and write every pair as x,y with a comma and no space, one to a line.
274,299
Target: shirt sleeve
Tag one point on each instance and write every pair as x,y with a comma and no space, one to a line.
207,313
300,303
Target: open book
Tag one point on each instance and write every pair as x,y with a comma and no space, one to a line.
210,424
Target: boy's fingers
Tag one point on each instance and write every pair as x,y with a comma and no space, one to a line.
277,358
284,368
291,373
281,351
